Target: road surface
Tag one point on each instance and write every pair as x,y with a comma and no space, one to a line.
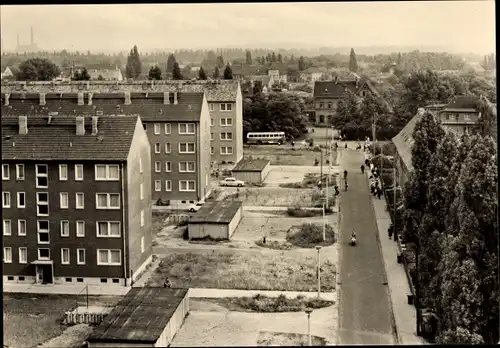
365,310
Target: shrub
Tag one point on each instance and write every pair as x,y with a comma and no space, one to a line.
309,235
264,304
185,234
183,222
299,212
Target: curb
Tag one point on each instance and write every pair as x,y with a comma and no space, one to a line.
339,254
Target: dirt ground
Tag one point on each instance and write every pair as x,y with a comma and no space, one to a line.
278,197
284,155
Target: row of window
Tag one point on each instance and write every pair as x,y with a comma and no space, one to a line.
103,201
321,105
223,136
183,148
455,116
184,185
105,257
222,107
182,128
184,167
103,172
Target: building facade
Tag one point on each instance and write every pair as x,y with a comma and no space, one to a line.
75,200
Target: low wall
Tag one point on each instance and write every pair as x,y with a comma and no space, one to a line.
84,315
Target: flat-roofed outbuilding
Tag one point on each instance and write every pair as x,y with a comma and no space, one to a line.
217,220
252,170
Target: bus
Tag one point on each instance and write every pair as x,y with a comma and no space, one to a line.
266,138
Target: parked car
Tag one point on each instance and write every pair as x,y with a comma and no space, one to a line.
195,207
232,182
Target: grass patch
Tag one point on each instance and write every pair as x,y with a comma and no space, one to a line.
277,339
309,235
159,221
229,269
274,244
311,180
207,240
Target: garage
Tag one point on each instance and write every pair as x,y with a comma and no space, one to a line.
252,170
216,220
145,317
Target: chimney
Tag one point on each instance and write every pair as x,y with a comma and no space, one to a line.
80,98
175,98
127,98
7,97
94,124
42,99
90,97
166,98
23,125
32,36
80,125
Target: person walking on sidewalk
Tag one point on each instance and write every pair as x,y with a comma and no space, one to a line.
362,169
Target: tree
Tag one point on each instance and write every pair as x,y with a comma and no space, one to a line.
257,87
100,78
249,58
280,58
372,108
273,57
399,60
220,62
82,75
154,73
347,110
134,65
302,64
487,122
176,72
216,73
201,74
37,69
170,64
228,73
353,63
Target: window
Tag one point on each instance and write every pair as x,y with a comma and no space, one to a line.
186,185
42,179
466,117
168,148
64,200
142,218
42,204
43,254
321,105
186,128
226,122
107,200
65,228
157,185
43,232
226,150
23,255
140,165
212,150
142,244
157,147
5,172
109,257
168,166
80,200
145,126
226,107
7,227
226,136
20,172
65,256
108,229
107,172
168,185
186,167
212,122
329,105
157,166
212,106
80,228
168,128
63,172
21,200
157,128
78,172
7,255
80,256
21,227
141,190
186,147
211,136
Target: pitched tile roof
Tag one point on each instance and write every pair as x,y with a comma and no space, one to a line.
107,74
463,102
404,140
332,89
59,141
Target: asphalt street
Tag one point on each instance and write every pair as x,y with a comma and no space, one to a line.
365,309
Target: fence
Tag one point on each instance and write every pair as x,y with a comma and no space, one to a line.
177,218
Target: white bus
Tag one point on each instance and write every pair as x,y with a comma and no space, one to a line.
266,138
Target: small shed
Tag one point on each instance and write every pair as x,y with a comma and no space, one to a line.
252,170
217,220
145,317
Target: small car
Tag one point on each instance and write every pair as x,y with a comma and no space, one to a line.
195,207
232,182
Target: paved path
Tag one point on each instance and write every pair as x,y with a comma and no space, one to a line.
220,293
365,309
66,289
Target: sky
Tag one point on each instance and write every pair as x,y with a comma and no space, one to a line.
462,26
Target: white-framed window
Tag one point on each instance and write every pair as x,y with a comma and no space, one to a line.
63,200
226,122
80,228
186,128
226,150
168,148
5,199
20,172
7,227
23,255
43,254
168,128
21,200
212,122
140,165
63,172
157,128
42,176
7,255
107,201
186,147
141,190
168,166
212,106
64,228
212,150
43,232
142,244
5,172
187,185
109,257
108,229
21,227
157,147
212,136
142,218
80,200
42,204
80,256
79,172
186,167
157,185
226,136
168,185
157,166
107,172
226,107
65,256
466,117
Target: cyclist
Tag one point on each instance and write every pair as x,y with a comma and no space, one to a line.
345,174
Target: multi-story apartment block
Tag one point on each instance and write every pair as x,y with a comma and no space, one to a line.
75,199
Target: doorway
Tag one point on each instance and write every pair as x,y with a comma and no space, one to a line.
44,274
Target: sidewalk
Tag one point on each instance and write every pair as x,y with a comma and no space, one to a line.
220,293
66,289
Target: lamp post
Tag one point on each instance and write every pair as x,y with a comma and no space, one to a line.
308,312
324,223
318,248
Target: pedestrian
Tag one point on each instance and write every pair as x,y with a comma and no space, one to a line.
367,162
336,145
371,166
372,187
379,193
293,143
316,162
166,283
346,145
362,169
337,192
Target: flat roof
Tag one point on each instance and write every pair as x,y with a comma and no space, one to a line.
250,165
140,317
221,212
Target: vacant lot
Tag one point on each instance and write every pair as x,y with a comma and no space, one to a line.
284,155
278,197
238,269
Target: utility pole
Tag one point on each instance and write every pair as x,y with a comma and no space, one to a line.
318,248
321,166
308,312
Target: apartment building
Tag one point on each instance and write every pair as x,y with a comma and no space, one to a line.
75,199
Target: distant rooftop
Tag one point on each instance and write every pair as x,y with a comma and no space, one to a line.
216,212
250,165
